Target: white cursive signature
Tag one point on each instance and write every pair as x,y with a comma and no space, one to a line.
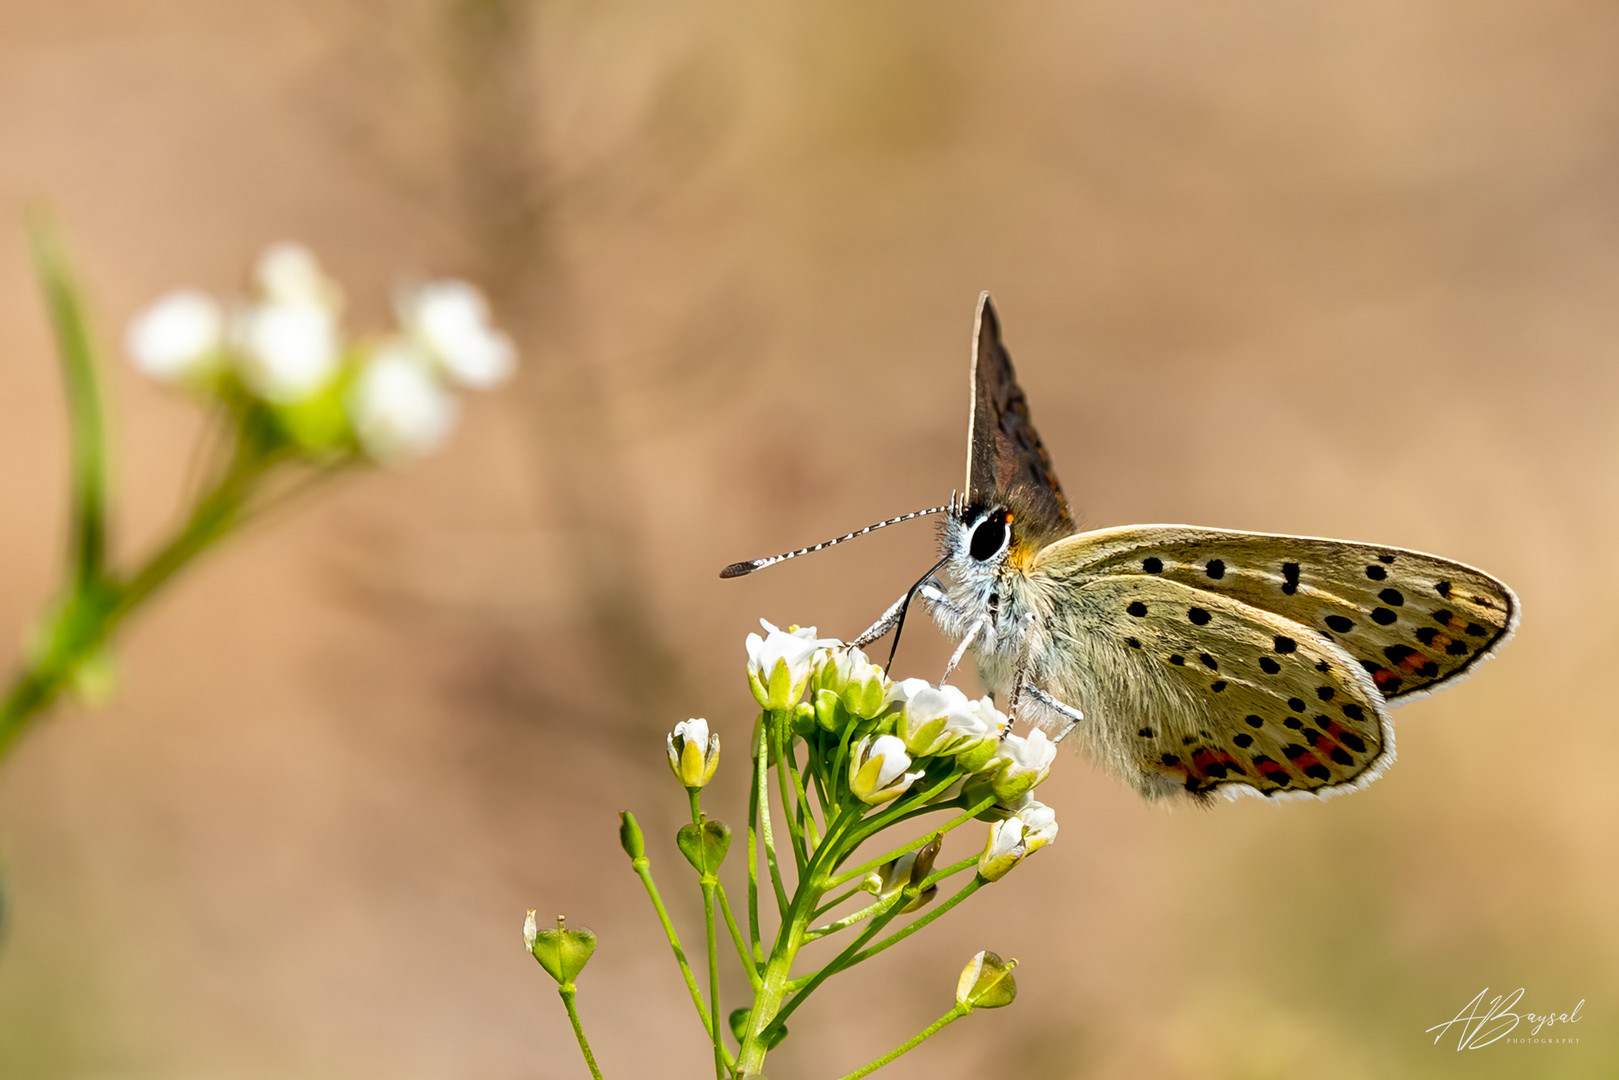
1483,1025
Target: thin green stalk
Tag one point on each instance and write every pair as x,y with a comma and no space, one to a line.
818,932
567,991
954,823
754,936
781,742
761,770
713,977
777,974
643,869
806,817
750,966
900,935
830,904
838,963
912,1043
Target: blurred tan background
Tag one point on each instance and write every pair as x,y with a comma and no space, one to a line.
1343,269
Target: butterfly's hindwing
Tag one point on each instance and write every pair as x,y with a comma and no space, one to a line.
1007,464
1411,620
1220,693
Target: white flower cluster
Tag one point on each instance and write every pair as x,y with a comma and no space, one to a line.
906,726
286,347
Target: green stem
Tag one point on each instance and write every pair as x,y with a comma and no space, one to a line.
912,1043
830,904
761,785
713,977
750,965
567,991
37,687
753,855
781,742
643,869
777,975
900,935
954,823
838,963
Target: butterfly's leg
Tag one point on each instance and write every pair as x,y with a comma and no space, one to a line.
883,625
961,650
1068,712
929,590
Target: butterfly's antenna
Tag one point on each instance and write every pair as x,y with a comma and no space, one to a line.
899,624
737,569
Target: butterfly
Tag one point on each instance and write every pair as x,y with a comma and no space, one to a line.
1183,659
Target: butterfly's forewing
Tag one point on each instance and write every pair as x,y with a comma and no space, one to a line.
1195,690
1007,465
1411,620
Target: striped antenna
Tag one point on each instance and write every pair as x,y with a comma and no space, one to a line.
737,569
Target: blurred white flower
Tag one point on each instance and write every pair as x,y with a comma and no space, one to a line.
399,409
694,754
178,337
1020,763
779,664
877,769
288,274
288,351
451,320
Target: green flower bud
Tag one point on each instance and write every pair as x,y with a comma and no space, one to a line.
563,953
1020,763
986,982
830,712
629,836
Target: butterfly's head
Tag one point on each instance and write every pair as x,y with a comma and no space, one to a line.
982,542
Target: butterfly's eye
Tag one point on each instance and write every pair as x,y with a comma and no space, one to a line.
990,535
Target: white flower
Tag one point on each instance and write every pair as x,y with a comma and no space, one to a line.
178,337
451,320
694,754
940,720
398,408
1005,849
779,664
289,275
1039,822
1020,763
288,351
877,769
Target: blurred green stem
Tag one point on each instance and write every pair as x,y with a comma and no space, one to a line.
94,609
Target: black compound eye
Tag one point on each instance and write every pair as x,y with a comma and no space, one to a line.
989,536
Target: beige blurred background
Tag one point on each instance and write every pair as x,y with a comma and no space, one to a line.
1335,269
